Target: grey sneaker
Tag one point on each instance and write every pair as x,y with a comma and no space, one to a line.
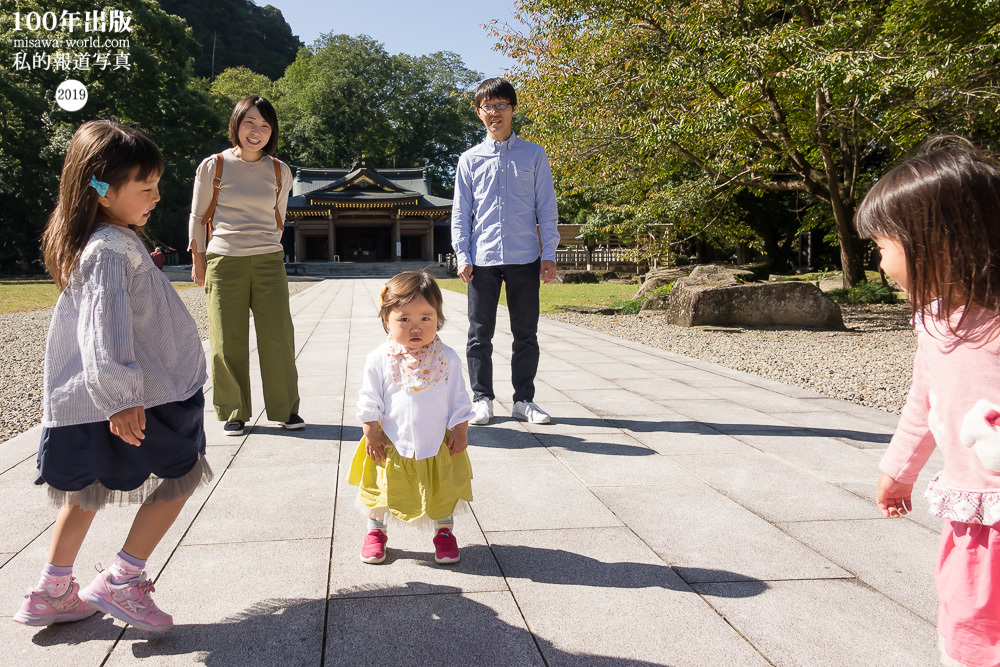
484,412
530,412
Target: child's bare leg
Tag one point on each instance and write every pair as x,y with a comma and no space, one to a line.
151,523
123,589
71,528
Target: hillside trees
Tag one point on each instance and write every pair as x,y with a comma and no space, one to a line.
237,33
814,98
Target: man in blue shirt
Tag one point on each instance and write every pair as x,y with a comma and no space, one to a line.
504,201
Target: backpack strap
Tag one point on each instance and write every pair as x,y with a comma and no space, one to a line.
216,185
277,193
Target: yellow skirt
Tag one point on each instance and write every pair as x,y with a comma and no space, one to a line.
410,488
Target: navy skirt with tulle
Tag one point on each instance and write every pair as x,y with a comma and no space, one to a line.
87,465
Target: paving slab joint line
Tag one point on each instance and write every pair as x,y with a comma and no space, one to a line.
777,525
26,458
527,625
336,488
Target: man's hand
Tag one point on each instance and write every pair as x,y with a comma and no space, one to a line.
129,425
465,272
548,272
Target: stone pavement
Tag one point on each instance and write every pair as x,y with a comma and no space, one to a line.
675,513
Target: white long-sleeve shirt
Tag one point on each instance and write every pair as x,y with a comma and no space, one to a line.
120,336
415,422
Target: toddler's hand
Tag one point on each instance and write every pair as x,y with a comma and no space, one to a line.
894,497
129,424
375,448
458,441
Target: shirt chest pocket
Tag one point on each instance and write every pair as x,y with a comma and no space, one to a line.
521,177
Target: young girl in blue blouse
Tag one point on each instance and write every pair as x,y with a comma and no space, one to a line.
415,412
124,369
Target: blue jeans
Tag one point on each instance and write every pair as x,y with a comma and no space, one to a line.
522,302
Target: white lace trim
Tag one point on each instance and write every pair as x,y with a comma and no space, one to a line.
107,238
965,506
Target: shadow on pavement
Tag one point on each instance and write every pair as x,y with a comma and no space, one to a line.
389,626
558,566
712,428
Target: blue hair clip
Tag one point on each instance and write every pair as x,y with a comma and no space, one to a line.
100,186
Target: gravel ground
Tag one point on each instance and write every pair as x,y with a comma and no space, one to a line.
22,353
870,364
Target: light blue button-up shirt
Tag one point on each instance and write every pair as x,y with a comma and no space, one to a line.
503,197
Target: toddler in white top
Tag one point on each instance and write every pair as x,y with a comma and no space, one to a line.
415,412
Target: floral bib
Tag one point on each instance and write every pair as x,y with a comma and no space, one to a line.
419,369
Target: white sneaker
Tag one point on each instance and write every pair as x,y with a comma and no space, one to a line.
530,412
484,412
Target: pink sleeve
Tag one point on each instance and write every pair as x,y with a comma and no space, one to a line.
912,443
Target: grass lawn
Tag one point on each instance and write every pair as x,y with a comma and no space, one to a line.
554,298
18,295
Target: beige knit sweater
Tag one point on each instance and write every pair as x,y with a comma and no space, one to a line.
244,222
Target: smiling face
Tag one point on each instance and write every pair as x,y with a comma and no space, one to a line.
131,203
253,133
498,123
413,325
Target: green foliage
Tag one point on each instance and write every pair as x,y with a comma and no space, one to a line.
156,92
666,111
663,290
345,98
630,306
235,83
237,33
864,292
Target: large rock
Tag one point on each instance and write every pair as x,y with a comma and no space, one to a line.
579,277
717,296
660,278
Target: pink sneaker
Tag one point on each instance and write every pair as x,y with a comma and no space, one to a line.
373,549
128,601
40,608
445,547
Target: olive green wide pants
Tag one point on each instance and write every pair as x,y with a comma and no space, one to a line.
235,286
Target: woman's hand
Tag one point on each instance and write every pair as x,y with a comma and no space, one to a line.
893,497
129,424
198,268
458,441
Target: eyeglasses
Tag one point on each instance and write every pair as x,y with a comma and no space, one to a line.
499,106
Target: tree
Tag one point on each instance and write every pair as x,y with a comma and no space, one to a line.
155,91
813,97
346,97
237,33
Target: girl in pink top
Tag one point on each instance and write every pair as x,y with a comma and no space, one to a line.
936,220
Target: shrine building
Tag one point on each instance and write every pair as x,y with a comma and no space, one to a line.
364,215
